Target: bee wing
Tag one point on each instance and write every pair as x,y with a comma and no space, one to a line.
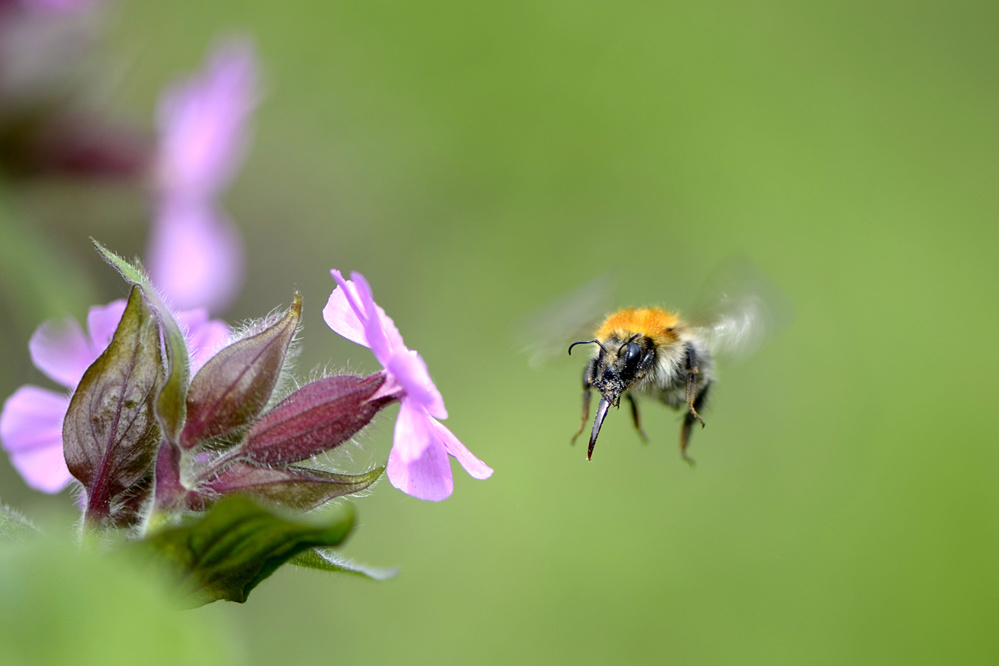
740,308
546,332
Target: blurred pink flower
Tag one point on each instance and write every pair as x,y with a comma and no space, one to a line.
51,122
418,464
43,55
31,420
61,6
195,252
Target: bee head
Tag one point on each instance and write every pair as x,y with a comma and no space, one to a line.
619,364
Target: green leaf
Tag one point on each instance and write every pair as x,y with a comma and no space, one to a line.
235,385
171,404
326,559
110,435
235,546
13,525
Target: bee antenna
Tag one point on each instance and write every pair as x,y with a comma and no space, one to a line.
627,342
586,342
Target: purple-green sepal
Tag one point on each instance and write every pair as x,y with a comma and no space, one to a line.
110,432
234,386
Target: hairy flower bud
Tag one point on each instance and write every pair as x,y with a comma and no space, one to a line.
295,488
315,419
234,385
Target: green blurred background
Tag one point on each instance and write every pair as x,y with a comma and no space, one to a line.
476,161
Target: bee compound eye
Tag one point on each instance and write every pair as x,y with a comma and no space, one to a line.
632,354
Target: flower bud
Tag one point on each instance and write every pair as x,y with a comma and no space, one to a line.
234,386
290,487
315,419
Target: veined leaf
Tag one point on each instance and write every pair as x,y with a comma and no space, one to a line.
235,546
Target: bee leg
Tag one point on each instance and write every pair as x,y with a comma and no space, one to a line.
587,393
688,421
693,398
635,419
693,401
586,414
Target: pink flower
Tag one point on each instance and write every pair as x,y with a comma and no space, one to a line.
31,421
60,6
195,252
418,464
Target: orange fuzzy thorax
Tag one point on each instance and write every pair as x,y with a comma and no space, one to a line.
654,323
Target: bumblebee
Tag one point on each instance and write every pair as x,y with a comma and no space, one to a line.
651,352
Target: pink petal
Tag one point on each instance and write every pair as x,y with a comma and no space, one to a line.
373,330
353,313
413,434
475,467
409,370
195,256
43,469
102,322
60,349
191,320
30,418
381,331
426,478
341,316
203,123
31,432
